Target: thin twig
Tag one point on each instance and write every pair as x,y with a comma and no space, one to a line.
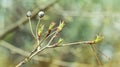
76,43
31,29
101,52
28,58
46,37
94,51
37,26
52,38
38,46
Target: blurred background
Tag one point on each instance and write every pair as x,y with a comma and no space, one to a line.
83,20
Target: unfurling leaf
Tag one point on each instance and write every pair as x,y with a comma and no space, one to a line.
51,25
98,38
61,25
60,41
40,29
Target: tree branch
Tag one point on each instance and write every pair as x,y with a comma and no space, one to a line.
52,46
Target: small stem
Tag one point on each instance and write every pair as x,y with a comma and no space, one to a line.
37,26
40,43
46,37
56,32
31,27
101,52
94,51
72,43
39,50
29,58
83,42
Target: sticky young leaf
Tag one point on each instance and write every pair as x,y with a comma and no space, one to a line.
98,38
51,25
61,25
40,30
60,40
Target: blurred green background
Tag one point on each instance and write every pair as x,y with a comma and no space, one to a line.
83,20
